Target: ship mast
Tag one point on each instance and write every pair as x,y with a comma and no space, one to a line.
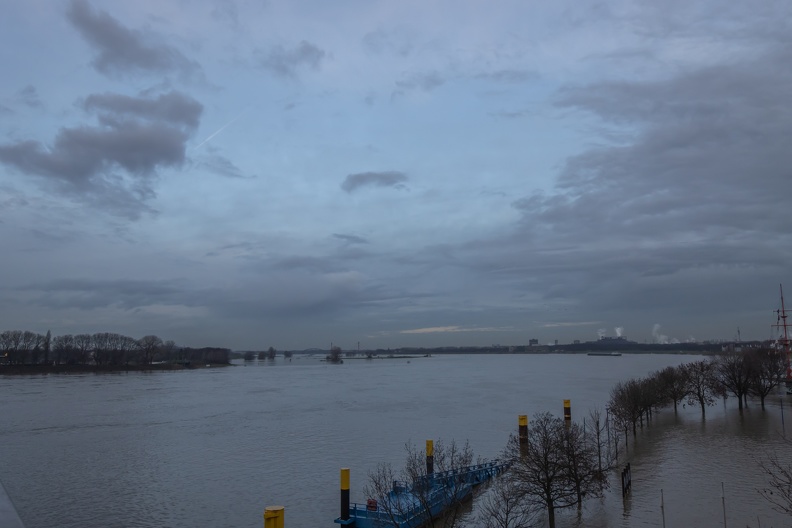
781,322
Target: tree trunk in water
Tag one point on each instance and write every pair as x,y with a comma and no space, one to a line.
550,516
739,401
703,408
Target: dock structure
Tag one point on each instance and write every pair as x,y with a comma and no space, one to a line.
412,505
8,514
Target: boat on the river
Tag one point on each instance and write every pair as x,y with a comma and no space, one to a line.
604,353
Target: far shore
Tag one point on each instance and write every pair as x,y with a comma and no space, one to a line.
26,370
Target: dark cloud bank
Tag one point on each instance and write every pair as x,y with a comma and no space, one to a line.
687,215
120,50
353,182
112,164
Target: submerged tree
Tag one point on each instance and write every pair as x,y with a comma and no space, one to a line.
557,469
768,368
503,506
732,371
704,388
335,355
674,382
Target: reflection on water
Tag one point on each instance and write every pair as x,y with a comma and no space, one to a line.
214,447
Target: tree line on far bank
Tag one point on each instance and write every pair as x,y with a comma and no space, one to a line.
25,348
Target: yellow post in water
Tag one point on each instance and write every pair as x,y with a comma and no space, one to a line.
567,411
344,494
430,457
273,516
523,434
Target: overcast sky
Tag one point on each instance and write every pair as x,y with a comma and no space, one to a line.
254,173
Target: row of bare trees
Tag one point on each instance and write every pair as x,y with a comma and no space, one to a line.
754,372
19,347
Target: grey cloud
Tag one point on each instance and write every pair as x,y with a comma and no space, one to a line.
121,50
509,76
688,204
173,107
302,292
4,110
88,294
381,41
354,182
313,264
221,165
286,62
422,81
29,97
516,114
350,239
135,137
226,11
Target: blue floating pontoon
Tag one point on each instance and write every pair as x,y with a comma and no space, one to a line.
412,506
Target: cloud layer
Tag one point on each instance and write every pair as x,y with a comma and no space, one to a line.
569,167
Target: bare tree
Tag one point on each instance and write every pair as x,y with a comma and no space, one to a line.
36,348
768,368
597,436
47,346
271,352
503,506
580,464
674,383
149,345
625,403
169,350
335,355
778,491
541,470
127,348
102,347
13,344
704,388
83,344
444,485
63,346
733,372
379,487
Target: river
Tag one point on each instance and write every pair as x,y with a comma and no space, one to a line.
213,447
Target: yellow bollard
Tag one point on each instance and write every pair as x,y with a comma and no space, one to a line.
344,494
430,457
523,434
273,517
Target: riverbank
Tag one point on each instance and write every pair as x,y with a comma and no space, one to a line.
29,370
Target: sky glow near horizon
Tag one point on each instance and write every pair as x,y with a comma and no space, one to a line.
268,173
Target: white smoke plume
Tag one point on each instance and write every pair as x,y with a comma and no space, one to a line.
661,339
601,333
619,331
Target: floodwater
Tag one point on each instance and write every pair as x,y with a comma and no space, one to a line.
214,447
